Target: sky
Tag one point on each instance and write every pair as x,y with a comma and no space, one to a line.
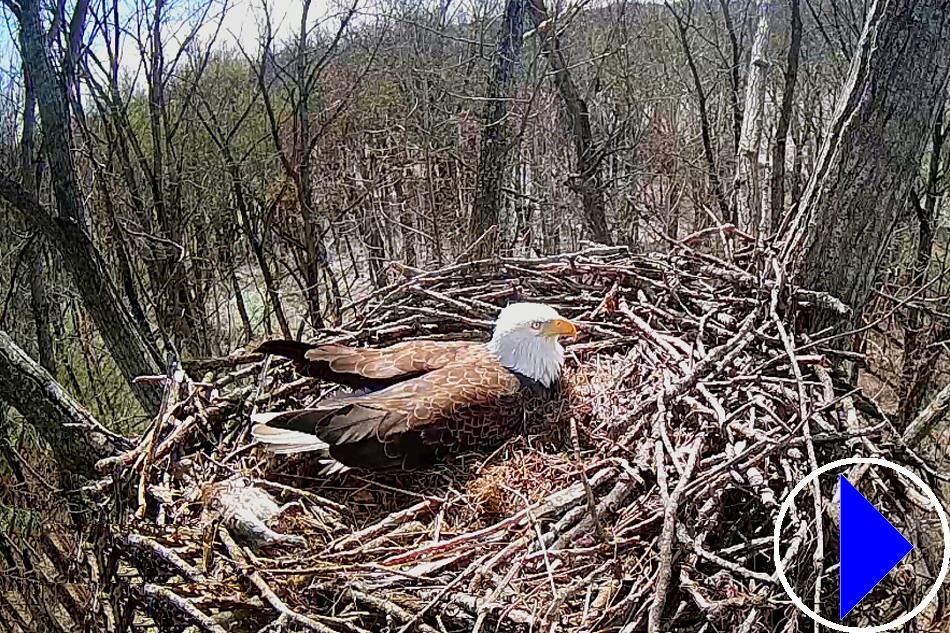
243,20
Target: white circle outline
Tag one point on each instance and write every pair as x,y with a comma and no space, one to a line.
787,504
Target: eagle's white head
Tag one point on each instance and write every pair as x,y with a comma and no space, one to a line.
526,341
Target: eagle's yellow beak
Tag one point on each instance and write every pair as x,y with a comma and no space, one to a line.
559,327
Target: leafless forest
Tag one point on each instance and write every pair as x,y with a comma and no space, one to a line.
172,194
230,189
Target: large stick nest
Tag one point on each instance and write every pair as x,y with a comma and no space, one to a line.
648,504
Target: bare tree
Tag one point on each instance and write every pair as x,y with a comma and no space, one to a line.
494,150
870,157
243,203
299,77
67,232
748,185
179,310
777,203
683,23
588,181
735,61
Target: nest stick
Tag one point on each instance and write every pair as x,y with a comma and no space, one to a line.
819,555
304,494
240,561
167,556
692,544
588,490
387,607
444,546
575,587
671,505
927,419
718,359
490,603
476,564
537,530
393,520
181,606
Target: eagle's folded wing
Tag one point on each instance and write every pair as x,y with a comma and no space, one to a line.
450,405
367,368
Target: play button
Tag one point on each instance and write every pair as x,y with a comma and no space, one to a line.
870,547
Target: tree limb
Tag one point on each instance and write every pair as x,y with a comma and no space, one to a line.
78,441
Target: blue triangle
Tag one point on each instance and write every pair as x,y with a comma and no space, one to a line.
870,547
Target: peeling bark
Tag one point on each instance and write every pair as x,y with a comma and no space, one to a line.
748,186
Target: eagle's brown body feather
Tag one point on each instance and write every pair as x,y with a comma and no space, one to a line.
434,398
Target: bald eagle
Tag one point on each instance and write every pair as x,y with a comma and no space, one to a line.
426,399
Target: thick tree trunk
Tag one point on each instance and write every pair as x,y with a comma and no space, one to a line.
57,138
588,181
870,157
748,183
493,154
777,206
39,303
67,233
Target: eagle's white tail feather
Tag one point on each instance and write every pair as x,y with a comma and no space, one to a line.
284,441
287,442
264,418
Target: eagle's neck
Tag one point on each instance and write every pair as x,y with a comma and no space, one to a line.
535,357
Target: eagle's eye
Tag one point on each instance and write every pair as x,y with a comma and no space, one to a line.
535,325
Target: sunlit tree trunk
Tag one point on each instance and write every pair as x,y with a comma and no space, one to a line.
777,204
749,185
